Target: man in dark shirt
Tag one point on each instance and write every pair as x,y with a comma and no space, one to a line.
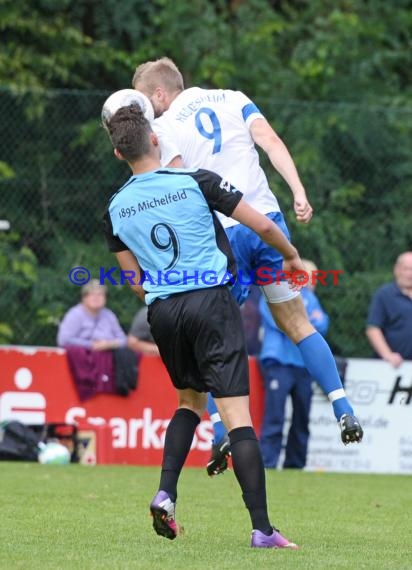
390,315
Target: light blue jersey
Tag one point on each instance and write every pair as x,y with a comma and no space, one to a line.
165,218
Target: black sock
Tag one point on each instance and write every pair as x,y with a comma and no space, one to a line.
179,437
249,470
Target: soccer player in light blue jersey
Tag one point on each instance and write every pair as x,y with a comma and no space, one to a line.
217,129
163,220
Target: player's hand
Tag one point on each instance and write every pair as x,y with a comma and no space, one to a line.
295,272
303,209
395,359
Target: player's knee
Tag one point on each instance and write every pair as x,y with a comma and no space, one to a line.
195,403
297,328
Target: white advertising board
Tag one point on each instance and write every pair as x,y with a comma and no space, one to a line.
382,399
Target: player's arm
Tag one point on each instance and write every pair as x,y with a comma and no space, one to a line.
273,236
223,197
131,268
267,139
268,232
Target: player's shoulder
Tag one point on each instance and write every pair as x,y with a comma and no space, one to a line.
183,170
228,96
194,97
199,175
118,192
202,174
176,171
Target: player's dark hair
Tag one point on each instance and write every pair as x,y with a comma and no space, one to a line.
129,132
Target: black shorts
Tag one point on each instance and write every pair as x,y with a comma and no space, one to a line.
201,341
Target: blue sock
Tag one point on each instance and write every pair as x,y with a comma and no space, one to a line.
320,363
219,429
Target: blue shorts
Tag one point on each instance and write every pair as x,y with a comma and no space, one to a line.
257,262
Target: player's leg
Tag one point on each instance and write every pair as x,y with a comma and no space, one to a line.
298,436
288,310
219,429
278,381
239,235
292,318
240,238
169,333
218,461
249,470
223,363
220,453
179,437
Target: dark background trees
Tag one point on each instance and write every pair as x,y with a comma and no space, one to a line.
333,77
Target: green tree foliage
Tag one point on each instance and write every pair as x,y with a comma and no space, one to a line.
352,50
332,76
18,274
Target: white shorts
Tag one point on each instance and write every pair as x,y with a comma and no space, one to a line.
278,292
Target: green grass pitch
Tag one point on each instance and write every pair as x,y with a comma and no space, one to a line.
64,517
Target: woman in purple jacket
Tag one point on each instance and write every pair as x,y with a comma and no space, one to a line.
90,323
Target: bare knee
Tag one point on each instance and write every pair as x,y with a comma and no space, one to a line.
194,401
297,329
234,411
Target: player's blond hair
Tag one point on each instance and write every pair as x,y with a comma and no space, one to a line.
162,72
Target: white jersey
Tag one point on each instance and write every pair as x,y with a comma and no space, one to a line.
209,128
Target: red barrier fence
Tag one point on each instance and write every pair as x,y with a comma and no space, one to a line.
36,387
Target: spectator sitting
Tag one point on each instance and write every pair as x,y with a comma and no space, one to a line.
96,346
389,325
91,324
140,338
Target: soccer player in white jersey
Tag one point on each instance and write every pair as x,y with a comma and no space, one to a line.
217,129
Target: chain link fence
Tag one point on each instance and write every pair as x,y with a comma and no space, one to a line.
57,171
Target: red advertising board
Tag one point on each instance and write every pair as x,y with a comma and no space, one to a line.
36,387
